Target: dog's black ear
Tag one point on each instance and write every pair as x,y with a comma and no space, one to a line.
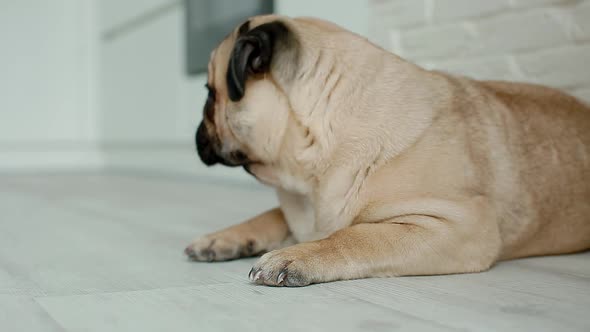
252,54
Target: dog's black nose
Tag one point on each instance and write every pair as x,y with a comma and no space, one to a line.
204,147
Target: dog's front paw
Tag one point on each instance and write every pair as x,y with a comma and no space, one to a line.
219,248
291,267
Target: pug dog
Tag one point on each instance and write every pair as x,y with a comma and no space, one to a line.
383,168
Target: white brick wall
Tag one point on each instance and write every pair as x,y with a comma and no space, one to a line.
540,41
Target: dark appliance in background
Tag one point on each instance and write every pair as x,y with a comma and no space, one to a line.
209,21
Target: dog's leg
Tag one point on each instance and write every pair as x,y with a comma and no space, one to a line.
262,233
418,245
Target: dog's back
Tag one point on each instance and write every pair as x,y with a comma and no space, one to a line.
547,137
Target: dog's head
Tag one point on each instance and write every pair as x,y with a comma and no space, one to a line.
247,116
269,82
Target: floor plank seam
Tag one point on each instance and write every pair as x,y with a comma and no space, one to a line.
133,291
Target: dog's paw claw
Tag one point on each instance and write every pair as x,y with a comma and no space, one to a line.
257,275
274,269
254,274
208,254
281,277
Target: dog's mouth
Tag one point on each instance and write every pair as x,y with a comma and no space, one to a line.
248,168
210,151
234,159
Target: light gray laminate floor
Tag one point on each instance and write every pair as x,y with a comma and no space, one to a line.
100,252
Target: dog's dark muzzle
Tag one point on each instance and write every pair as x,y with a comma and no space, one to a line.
208,149
205,147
